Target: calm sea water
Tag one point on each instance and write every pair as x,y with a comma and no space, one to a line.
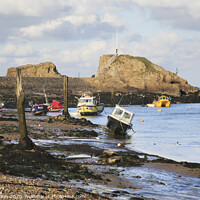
169,132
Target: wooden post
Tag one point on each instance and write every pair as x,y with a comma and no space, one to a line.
112,97
66,113
24,140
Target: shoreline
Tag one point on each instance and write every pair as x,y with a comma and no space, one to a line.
111,165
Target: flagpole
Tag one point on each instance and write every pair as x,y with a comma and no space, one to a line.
116,40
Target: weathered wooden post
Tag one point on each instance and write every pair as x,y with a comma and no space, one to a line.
66,113
24,140
112,98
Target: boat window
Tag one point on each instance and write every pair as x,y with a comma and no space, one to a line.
126,115
85,100
163,97
118,112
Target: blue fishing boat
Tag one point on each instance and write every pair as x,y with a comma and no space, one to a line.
40,109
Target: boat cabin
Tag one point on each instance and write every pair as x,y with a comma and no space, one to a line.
87,99
163,98
122,115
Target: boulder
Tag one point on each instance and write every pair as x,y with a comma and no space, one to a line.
107,153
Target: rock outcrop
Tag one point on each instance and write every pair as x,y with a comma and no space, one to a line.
46,69
125,73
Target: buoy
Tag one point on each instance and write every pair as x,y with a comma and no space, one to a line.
119,144
159,110
142,120
0,115
190,107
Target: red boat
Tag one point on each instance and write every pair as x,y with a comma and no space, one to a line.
55,106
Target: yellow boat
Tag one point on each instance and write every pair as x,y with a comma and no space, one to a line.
163,101
88,105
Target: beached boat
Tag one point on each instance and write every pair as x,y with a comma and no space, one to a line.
39,109
163,101
119,121
55,106
89,105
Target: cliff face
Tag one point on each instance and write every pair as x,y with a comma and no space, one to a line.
46,69
124,72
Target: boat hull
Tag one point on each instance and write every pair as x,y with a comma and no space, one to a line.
40,110
90,110
119,128
162,104
55,106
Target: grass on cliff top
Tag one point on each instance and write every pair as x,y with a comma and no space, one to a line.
149,66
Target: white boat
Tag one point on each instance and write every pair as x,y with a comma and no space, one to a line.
1,104
151,105
89,105
119,121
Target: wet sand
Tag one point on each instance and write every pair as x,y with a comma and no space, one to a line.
104,169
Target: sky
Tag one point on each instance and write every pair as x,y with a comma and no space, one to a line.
73,34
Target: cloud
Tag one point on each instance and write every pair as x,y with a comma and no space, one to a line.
39,31
42,20
73,34
181,14
17,50
77,58
37,8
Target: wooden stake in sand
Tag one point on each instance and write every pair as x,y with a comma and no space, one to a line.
66,113
24,140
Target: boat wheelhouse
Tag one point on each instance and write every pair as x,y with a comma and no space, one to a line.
119,121
89,105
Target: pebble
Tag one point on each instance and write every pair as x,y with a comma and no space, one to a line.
12,187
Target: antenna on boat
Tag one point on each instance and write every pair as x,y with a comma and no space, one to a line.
45,95
120,99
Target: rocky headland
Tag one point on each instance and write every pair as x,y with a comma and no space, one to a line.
46,69
125,73
135,78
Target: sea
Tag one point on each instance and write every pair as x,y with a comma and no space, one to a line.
172,133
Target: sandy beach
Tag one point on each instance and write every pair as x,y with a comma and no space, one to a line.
78,170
